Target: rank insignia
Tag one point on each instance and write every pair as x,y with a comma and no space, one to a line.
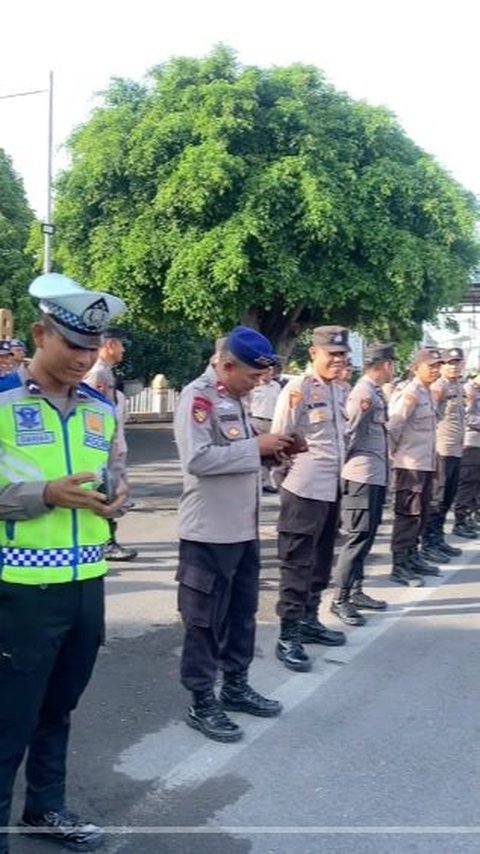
233,432
294,398
201,407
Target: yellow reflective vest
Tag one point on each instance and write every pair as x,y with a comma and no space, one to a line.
38,444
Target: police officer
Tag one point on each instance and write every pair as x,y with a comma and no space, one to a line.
219,565
411,427
468,493
365,476
6,361
447,393
102,378
310,406
262,407
56,437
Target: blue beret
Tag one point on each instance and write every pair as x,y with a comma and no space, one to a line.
251,347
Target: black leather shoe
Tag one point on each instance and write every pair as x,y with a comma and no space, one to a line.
462,529
206,715
293,655
312,631
66,828
116,552
239,696
363,600
347,613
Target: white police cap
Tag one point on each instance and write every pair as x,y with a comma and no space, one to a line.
79,315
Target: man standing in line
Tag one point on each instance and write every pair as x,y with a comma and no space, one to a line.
102,378
468,494
411,428
262,407
310,406
57,436
219,564
365,477
447,393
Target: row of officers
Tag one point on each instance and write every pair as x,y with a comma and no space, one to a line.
336,452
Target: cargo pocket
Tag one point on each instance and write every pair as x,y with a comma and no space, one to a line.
195,600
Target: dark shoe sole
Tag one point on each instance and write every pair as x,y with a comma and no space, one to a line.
223,738
250,710
410,583
382,607
301,667
325,642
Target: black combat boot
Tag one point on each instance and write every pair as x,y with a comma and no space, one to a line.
462,529
313,631
363,600
289,647
206,714
402,571
421,565
344,609
446,548
431,553
238,696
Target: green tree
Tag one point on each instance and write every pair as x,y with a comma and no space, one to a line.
16,264
221,194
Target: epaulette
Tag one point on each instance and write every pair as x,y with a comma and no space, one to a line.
88,391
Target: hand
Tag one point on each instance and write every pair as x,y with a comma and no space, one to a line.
273,443
69,492
109,510
298,446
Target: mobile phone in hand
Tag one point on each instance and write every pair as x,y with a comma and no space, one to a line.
107,485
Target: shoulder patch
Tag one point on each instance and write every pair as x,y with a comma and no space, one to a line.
201,407
365,404
294,397
410,398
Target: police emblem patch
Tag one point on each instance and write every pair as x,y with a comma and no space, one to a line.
201,407
29,425
94,426
294,398
233,432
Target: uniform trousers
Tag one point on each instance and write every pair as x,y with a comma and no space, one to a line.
468,493
444,490
362,505
413,491
306,538
217,599
49,639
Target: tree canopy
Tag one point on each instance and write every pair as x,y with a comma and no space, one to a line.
220,194
16,265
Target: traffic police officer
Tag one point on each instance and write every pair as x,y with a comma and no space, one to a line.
447,393
6,360
219,564
468,493
56,438
365,476
311,407
411,427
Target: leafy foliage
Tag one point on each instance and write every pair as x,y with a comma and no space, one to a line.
220,194
16,265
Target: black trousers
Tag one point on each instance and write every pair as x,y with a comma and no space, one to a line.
468,493
306,538
218,599
444,490
49,639
362,506
413,490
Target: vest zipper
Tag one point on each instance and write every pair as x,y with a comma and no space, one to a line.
74,513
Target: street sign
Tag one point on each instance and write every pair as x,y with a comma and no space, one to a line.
48,228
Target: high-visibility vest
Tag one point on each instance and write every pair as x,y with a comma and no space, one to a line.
38,444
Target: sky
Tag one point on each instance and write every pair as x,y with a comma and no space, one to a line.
419,58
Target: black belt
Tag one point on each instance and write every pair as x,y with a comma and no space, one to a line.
259,418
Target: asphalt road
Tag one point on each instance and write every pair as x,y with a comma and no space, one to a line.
377,749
